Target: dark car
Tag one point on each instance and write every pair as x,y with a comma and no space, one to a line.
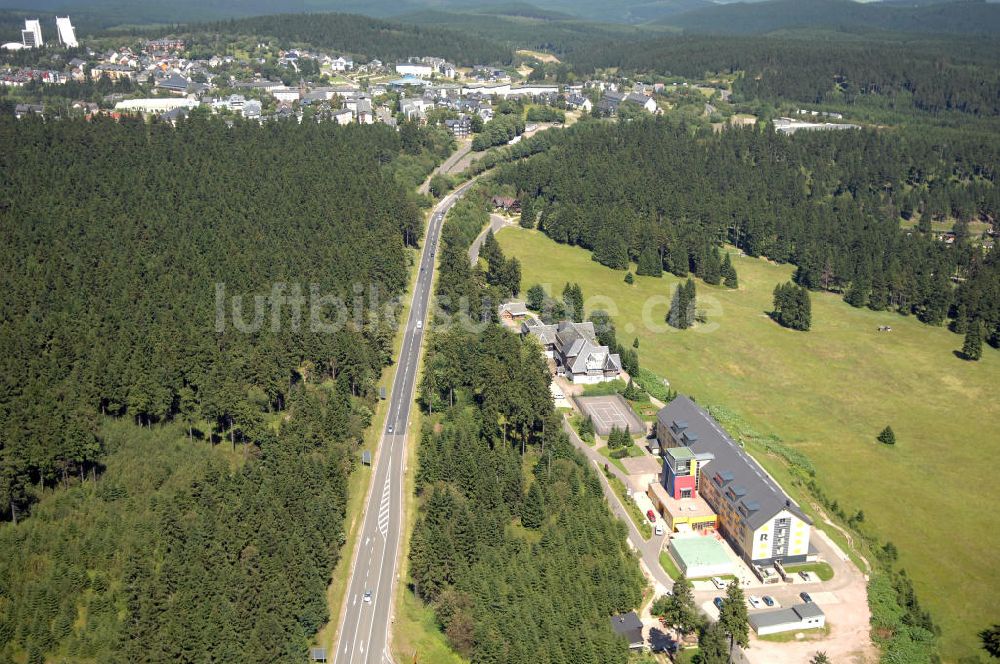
718,603
805,597
768,600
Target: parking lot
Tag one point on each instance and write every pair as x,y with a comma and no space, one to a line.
843,598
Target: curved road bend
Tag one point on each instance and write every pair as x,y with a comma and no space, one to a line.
364,630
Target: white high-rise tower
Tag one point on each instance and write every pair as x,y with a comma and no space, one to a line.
31,36
67,35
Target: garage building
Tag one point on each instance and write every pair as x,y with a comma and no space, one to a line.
793,618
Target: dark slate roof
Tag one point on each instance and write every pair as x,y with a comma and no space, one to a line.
755,490
629,626
808,610
791,615
174,82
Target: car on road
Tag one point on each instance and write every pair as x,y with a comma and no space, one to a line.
754,601
420,324
718,603
806,597
719,583
768,600
651,515
390,428
367,598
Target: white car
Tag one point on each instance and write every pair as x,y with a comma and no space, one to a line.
658,529
754,601
367,598
719,583
420,324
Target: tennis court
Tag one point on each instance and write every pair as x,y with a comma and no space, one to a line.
609,412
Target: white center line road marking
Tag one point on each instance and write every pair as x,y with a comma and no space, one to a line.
387,521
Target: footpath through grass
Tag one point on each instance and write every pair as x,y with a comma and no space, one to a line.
827,393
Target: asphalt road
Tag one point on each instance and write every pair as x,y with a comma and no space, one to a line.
496,223
365,623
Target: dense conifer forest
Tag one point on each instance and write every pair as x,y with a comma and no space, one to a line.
514,547
116,239
934,75
828,202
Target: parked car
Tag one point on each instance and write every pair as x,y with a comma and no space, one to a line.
659,529
754,601
768,600
651,515
805,597
718,603
719,583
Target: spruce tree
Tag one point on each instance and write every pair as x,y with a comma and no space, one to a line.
490,250
629,279
527,212
650,264
679,261
972,349
733,618
712,647
857,294
887,436
677,316
533,508
536,297
711,272
730,279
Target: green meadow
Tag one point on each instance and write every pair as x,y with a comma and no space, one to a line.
828,392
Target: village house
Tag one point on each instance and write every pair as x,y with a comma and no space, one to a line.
576,352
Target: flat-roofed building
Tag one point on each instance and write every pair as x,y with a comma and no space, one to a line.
701,557
788,619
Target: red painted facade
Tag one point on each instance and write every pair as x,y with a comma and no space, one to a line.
675,484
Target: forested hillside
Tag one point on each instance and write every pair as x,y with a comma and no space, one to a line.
933,75
962,17
514,547
361,35
118,239
828,202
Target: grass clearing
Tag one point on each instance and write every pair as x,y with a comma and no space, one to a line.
827,393
787,637
669,566
633,451
686,656
822,570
